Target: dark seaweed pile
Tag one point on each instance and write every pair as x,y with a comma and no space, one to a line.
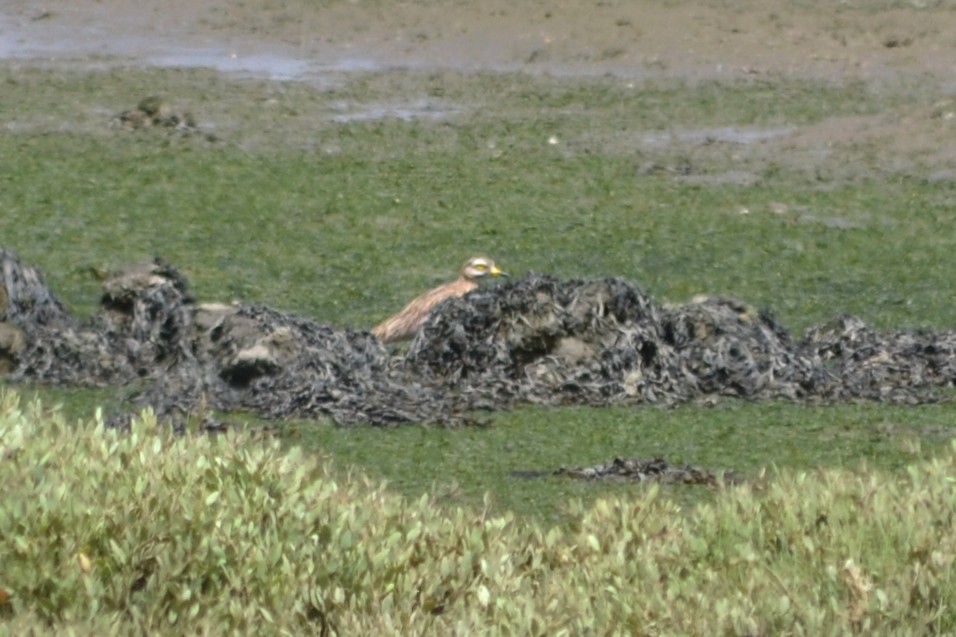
656,470
154,112
534,339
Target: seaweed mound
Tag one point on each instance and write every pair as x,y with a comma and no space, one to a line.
140,330
899,367
536,339
281,365
154,112
541,340
656,470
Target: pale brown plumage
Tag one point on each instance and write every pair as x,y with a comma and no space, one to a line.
406,323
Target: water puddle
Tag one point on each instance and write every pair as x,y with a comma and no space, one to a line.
97,47
102,46
421,109
725,134
262,65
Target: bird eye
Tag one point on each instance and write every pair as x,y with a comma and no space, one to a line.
480,266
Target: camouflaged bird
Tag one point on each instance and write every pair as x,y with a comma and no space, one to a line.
406,323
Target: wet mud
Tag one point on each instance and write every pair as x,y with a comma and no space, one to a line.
902,48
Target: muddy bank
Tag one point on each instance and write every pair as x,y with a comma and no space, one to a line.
716,39
536,339
891,47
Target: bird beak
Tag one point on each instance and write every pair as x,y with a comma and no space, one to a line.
496,271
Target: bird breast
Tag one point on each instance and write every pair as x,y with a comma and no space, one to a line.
406,323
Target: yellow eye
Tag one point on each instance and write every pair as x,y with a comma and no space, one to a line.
481,266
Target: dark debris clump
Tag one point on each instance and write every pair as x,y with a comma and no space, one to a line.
534,339
281,365
141,330
155,112
541,340
656,470
899,367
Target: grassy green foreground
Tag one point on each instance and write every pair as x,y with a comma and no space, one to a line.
472,466
104,532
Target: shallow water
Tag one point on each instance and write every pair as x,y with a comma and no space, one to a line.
727,134
419,109
102,46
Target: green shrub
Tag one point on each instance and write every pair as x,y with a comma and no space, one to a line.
144,532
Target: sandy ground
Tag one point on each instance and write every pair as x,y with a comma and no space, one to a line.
886,44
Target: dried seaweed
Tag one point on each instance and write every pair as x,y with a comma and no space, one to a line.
141,329
535,339
656,470
899,367
155,112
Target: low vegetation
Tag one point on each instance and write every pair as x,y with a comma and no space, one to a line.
143,532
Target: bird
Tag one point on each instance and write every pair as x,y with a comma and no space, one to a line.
406,323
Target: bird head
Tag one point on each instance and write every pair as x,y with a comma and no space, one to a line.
479,267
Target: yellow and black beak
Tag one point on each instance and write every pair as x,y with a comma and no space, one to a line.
496,271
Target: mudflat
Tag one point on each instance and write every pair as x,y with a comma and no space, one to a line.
890,47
